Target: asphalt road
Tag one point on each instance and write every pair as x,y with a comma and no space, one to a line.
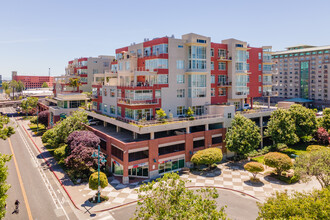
239,206
32,183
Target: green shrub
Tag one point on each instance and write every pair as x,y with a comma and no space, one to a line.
48,136
93,181
290,179
60,154
315,147
34,119
281,162
254,168
281,146
207,156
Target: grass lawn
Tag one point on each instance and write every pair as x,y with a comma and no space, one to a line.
259,159
41,127
297,149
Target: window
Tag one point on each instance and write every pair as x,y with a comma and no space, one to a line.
105,92
105,108
112,109
180,79
170,165
259,56
201,41
212,92
229,115
95,71
160,49
162,79
158,94
119,93
156,64
259,78
112,92
259,67
197,57
119,110
248,67
127,65
217,140
196,86
222,53
222,66
212,52
222,79
212,78
180,93
259,89
180,64
117,152
212,65
180,110
222,91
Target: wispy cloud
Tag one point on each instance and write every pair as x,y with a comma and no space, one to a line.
24,40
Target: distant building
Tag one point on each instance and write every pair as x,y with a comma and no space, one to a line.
0,83
302,72
33,82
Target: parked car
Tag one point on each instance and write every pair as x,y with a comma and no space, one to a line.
246,106
319,114
94,122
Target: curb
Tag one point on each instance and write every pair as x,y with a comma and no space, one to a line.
49,166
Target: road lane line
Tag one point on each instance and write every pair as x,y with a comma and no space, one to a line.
20,182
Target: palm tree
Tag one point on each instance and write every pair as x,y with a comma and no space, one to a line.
74,82
13,85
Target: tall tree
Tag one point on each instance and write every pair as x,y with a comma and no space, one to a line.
305,120
29,104
282,128
74,82
5,131
317,164
13,85
325,120
20,86
3,183
5,86
45,85
168,198
243,136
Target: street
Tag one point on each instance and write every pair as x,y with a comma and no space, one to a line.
32,183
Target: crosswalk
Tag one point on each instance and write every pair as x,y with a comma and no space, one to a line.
7,110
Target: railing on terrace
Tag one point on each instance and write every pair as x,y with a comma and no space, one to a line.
256,110
137,102
225,84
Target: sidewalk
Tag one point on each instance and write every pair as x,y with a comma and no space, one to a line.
228,175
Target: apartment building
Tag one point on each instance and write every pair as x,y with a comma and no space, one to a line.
214,79
83,68
302,72
33,82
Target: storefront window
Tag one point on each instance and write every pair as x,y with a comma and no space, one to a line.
141,170
117,168
171,165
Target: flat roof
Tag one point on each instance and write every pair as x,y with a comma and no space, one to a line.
299,100
302,50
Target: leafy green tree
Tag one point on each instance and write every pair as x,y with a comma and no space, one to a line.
243,136
44,85
281,162
3,183
20,86
5,86
74,82
315,163
207,156
93,181
298,205
29,105
60,132
190,112
254,168
168,198
5,131
305,120
282,128
325,120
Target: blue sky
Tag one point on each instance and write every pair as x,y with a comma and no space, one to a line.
39,34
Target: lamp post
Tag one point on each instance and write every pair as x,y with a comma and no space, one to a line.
37,121
103,160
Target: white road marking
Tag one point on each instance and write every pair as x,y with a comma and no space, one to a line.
57,202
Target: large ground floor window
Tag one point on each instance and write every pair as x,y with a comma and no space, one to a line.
140,170
117,168
170,165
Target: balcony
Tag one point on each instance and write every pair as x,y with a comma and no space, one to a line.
267,83
270,93
224,84
224,59
132,102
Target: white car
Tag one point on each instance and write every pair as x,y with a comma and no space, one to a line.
319,114
93,122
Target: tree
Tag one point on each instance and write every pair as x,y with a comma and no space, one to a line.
43,118
88,138
254,168
61,130
93,181
207,156
281,162
5,86
161,114
3,183
74,82
5,131
168,198
29,105
325,120
297,205
304,119
322,136
20,86
243,136
13,84
44,85
190,112
315,163
281,127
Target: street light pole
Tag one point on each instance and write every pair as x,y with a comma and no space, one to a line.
37,121
103,160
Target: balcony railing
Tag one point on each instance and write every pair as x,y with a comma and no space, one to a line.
137,102
266,83
224,58
225,84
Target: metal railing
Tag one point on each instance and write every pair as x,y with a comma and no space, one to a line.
137,102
